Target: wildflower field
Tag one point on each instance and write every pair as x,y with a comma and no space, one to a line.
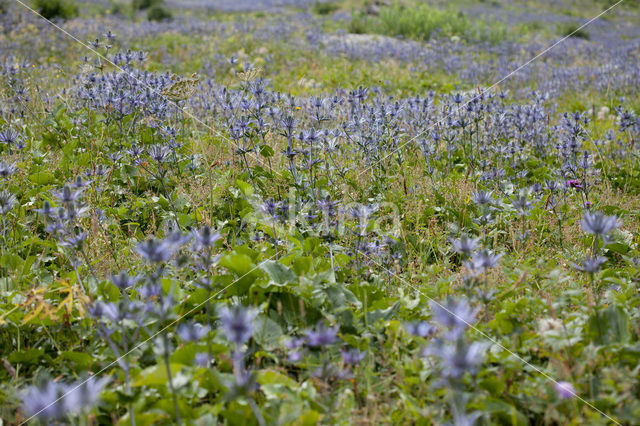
301,212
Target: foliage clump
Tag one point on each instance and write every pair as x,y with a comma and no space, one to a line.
159,13
423,22
57,9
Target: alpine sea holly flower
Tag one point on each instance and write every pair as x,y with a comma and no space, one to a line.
465,245
591,264
551,185
293,345
43,402
482,198
352,356
458,357
485,219
204,238
67,196
202,359
565,390
46,209
7,202
55,400
83,396
420,328
73,239
598,224
521,204
454,315
321,336
9,136
123,280
192,332
107,310
237,323
7,169
483,260
157,251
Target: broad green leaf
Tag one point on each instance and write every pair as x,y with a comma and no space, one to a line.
608,325
278,273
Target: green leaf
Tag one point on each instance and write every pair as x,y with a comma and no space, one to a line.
30,356
81,360
279,274
241,264
620,248
267,332
266,151
506,413
42,178
609,325
155,375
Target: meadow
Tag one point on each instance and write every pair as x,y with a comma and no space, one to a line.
301,212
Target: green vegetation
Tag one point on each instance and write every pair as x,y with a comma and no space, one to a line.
574,30
324,7
145,4
158,13
57,9
420,21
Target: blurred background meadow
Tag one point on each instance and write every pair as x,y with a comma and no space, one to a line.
319,212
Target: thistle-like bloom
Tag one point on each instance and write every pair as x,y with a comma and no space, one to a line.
67,196
521,204
123,280
293,345
157,251
55,400
7,169
454,315
465,245
565,390
192,332
46,209
321,336
82,396
352,356
7,202
202,359
420,328
482,261
482,198
9,137
105,310
204,238
457,357
237,323
598,224
43,402
591,264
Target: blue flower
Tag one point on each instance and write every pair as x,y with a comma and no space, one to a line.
321,336
598,224
237,323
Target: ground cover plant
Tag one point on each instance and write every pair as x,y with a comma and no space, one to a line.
303,212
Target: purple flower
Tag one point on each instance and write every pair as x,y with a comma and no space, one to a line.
202,359
565,390
420,328
157,251
237,323
574,183
192,332
465,245
352,356
598,224
321,336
